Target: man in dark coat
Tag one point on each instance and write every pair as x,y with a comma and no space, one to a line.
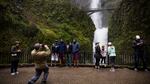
138,46
15,55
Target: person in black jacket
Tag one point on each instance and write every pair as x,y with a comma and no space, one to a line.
97,55
69,54
15,55
138,46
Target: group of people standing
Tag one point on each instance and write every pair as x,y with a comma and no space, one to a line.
101,53
59,50
64,53
139,53
67,54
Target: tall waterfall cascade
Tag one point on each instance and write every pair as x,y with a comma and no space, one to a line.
101,33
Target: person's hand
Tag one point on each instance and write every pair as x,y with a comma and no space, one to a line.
19,50
46,46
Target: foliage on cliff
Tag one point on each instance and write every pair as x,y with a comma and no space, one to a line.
129,19
43,21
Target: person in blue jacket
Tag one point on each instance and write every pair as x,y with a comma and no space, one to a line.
62,50
75,52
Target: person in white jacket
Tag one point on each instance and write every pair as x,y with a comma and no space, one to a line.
104,54
112,55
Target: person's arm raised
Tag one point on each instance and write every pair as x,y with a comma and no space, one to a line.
47,50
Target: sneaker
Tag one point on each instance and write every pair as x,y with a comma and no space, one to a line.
113,70
12,74
135,69
95,67
146,70
105,65
17,72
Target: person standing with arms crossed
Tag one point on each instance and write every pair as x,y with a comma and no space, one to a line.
138,46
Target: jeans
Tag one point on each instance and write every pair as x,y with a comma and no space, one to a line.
112,61
62,57
14,64
103,59
38,74
97,61
68,59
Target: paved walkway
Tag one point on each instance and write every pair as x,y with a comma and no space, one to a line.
84,75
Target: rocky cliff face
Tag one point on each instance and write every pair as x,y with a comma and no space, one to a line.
130,18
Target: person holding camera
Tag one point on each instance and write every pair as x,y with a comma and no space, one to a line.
15,55
40,54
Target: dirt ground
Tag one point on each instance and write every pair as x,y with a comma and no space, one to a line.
81,75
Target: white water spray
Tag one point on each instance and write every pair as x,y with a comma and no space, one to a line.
101,33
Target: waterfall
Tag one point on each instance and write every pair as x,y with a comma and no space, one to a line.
101,33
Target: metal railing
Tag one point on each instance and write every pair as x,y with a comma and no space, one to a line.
85,58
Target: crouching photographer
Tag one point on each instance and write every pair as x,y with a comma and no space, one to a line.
40,54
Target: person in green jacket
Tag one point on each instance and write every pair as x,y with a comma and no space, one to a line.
40,54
